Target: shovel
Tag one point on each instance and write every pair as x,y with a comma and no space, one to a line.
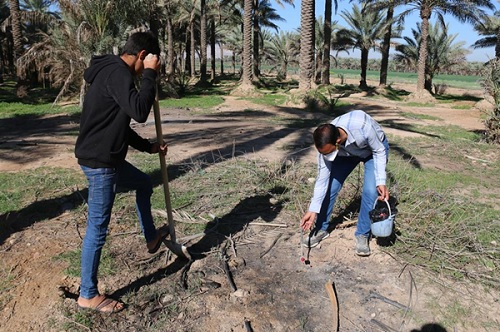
177,248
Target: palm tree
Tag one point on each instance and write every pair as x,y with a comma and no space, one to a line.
443,53
319,42
281,51
490,29
307,27
229,17
366,29
463,10
234,43
264,15
188,14
389,6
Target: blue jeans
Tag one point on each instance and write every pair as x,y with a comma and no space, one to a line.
341,168
102,192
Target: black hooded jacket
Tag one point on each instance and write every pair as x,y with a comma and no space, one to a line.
111,102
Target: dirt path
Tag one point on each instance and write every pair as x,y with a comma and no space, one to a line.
277,292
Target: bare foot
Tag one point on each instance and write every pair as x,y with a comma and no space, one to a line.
101,303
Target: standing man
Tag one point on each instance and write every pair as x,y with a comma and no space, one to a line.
111,102
348,140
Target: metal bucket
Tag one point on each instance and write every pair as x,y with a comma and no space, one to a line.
383,228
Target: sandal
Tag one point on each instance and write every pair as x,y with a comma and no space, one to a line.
105,305
161,234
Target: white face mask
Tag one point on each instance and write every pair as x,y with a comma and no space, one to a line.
331,156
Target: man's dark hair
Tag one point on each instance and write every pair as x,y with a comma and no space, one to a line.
324,134
139,41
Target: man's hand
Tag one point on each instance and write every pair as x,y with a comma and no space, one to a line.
156,147
308,220
152,61
383,193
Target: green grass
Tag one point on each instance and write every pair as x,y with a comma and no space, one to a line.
269,99
445,220
192,101
107,265
458,81
420,116
18,190
462,107
9,110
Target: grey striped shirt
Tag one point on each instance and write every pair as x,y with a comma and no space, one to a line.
364,138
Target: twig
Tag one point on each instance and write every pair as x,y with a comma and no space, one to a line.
271,246
230,238
346,224
227,271
76,323
124,233
477,159
184,274
267,224
383,326
191,237
412,285
375,295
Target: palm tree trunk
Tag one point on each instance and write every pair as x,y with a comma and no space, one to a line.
193,50
256,42
425,14
307,16
246,78
327,32
15,13
170,49
497,46
212,47
221,46
364,66
203,41
386,46
318,66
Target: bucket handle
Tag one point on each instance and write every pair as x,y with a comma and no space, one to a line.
386,202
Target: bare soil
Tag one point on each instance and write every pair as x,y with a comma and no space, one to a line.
276,292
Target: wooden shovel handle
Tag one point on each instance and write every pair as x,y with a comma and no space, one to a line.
163,165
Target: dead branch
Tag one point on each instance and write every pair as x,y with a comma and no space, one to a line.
267,224
271,246
227,271
383,326
375,295
335,304
346,224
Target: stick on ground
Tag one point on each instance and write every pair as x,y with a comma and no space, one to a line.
330,289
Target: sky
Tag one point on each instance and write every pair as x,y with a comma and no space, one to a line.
464,31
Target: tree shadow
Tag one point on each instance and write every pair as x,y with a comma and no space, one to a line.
216,233
28,132
16,221
391,123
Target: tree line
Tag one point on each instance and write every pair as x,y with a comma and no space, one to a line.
38,43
